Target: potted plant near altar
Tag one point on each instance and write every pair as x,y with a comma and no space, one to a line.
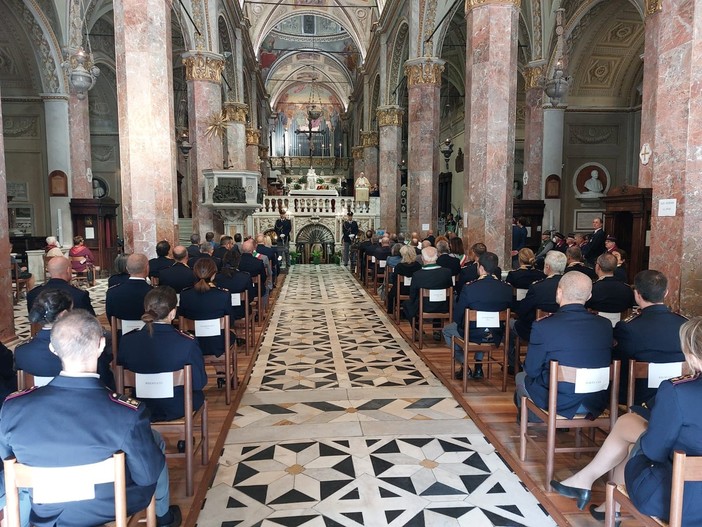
336,258
316,256
294,257
302,181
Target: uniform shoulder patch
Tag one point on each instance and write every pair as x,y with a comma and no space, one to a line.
633,316
125,400
685,378
20,393
186,335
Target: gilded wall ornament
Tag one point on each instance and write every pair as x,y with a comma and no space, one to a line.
202,67
533,76
235,112
390,115
471,4
357,152
653,6
369,139
424,71
253,136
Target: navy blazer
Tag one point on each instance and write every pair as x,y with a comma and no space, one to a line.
675,424
581,267
214,303
237,282
649,336
76,421
450,262
610,295
541,295
178,276
167,349
157,264
487,293
523,277
118,278
595,247
574,337
126,300
428,277
81,299
254,267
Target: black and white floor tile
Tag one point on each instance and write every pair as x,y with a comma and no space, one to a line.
342,424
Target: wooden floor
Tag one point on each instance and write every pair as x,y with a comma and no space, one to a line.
492,410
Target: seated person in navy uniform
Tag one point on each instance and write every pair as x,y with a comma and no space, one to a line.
253,266
235,281
179,275
120,275
226,243
674,423
206,251
206,301
8,377
574,256
126,300
60,270
609,295
162,261
406,268
159,347
487,293
445,259
573,337
76,420
525,274
651,335
469,273
620,273
430,276
35,357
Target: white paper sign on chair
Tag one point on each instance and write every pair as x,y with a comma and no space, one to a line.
42,381
612,317
591,380
131,325
487,319
437,295
51,486
407,281
236,299
521,293
382,263
207,328
659,372
154,385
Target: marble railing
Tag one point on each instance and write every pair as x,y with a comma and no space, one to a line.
335,205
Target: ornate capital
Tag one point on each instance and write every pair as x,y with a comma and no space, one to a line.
357,152
471,4
203,66
263,152
390,115
653,7
235,112
253,136
424,71
533,76
369,139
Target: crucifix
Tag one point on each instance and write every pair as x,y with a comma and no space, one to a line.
312,115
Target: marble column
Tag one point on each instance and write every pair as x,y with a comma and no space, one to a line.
533,132
7,321
390,146
491,98
369,141
676,241
203,73
253,139
552,162
146,123
423,85
357,153
79,132
648,95
235,114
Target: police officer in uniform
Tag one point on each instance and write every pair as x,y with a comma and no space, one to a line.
283,228
179,275
349,231
126,300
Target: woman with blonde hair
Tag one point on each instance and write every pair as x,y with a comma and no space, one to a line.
640,446
407,267
525,275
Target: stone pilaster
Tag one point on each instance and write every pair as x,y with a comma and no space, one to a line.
648,95
533,132
423,84
357,153
79,132
676,241
203,73
235,115
253,163
491,87
146,123
390,146
7,324
369,141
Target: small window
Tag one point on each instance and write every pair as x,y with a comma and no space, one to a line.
308,25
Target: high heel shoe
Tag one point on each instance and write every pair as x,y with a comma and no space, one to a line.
600,516
582,496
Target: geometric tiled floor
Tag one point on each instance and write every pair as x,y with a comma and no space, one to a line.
343,424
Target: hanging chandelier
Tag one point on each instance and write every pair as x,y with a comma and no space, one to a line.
79,66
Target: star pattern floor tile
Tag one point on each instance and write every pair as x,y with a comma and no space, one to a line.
342,424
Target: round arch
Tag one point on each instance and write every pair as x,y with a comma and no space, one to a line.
400,53
47,50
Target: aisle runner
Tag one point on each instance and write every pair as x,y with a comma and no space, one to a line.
342,424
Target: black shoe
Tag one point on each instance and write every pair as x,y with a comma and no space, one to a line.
459,374
437,336
478,374
600,516
240,342
510,370
582,496
172,518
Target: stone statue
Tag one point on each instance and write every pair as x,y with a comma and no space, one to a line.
593,185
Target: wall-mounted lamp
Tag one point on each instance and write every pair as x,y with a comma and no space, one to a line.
446,149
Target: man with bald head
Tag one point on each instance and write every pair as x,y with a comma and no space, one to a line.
253,265
179,275
573,337
59,268
430,276
126,300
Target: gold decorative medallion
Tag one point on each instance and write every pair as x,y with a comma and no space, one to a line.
424,71
203,67
369,139
653,7
390,115
253,136
357,152
235,112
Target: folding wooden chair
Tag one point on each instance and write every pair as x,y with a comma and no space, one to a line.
399,297
260,309
498,318
425,295
553,421
368,272
27,380
655,373
520,345
685,468
613,317
18,283
248,321
81,277
118,327
379,270
185,426
111,470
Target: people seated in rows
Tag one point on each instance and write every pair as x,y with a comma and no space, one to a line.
395,256
430,276
546,245
194,247
609,294
82,258
206,301
267,257
125,301
574,258
572,336
59,269
650,335
158,347
209,238
235,281
525,274
87,424
570,240
559,243
445,258
487,293
206,251
162,261
363,247
120,270
610,243
34,356
179,275
53,247
253,266
674,422
620,273
406,268
226,244
470,271
382,250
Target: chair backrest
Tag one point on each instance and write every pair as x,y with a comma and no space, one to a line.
586,380
685,468
27,380
520,293
205,328
153,385
65,484
486,319
437,295
118,327
654,372
613,317
16,273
